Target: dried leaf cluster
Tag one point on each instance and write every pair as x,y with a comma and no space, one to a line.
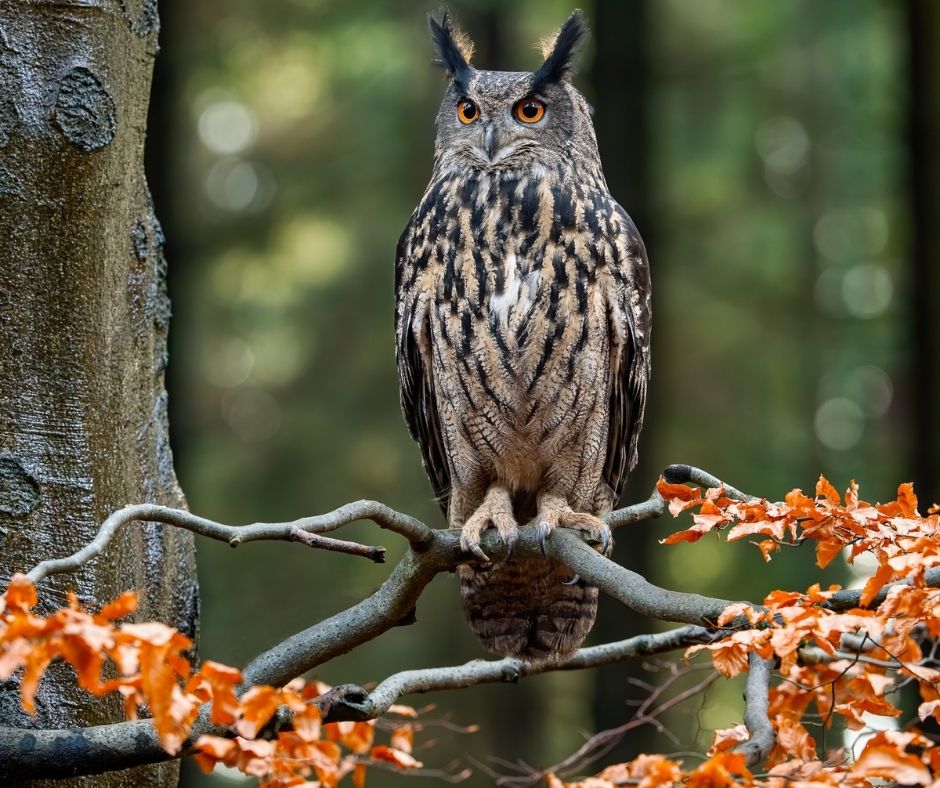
830,662
148,666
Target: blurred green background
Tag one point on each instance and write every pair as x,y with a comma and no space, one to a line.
764,149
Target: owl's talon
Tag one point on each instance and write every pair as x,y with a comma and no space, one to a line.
495,512
544,529
573,581
474,549
554,512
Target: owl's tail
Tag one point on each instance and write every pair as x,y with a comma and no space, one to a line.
522,608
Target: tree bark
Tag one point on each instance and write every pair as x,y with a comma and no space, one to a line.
83,327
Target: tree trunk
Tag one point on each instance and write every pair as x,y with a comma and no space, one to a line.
84,317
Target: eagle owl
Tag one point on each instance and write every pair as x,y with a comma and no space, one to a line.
522,329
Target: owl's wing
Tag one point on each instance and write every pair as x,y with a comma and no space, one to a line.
415,371
630,325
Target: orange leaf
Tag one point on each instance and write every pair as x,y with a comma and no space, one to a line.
258,706
355,736
359,776
875,583
403,738
907,500
401,759
827,549
884,758
217,682
727,738
21,593
210,750
720,771
825,490
124,605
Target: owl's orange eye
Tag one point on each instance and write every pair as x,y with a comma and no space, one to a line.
467,111
529,110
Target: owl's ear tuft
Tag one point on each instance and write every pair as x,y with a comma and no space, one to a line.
454,49
559,51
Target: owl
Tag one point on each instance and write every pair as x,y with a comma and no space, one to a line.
523,336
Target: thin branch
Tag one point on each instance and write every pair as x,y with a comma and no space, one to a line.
376,554
682,474
416,532
598,745
756,709
351,702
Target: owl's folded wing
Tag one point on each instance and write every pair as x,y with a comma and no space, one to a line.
416,381
628,300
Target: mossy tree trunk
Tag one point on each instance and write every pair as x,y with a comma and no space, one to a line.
83,326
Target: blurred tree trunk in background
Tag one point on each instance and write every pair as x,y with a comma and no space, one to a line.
84,316
923,17
620,83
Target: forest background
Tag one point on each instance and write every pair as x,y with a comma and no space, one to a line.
765,151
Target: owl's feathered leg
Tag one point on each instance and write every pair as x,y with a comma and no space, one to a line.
494,512
554,512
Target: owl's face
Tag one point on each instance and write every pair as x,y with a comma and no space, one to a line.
503,120
498,121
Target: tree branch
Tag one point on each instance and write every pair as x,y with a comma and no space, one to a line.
54,753
351,702
303,530
756,706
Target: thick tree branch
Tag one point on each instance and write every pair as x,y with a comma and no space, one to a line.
630,588
756,706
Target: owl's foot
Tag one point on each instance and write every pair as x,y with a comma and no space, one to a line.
554,512
494,512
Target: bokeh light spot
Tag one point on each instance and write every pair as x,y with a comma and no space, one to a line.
839,423
227,126
871,388
867,290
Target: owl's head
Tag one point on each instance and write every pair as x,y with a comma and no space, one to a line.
509,120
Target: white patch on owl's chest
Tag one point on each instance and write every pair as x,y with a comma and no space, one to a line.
520,289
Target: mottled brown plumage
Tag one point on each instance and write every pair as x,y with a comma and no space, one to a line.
523,326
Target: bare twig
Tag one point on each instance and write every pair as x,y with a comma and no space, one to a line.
351,702
648,713
756,706
416,532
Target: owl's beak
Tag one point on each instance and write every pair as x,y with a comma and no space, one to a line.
491,141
